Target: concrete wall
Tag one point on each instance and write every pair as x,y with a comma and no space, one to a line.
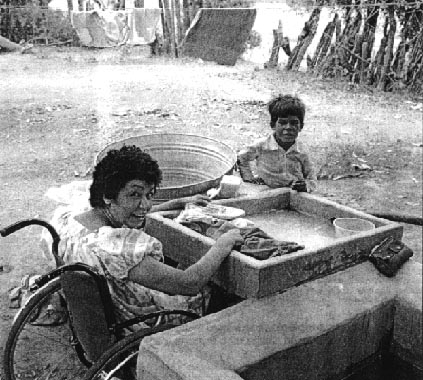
315,331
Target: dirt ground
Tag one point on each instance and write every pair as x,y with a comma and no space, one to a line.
59,107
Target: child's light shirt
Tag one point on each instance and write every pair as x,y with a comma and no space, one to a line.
275,166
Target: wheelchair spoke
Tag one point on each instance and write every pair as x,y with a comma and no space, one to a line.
41,352
42,332
50,352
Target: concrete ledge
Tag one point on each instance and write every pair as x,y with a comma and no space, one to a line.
407,342
350,311
331,355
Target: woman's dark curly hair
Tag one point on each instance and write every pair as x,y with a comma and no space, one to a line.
117,168
284,106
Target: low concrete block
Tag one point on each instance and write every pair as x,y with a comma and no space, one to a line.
330,355
323,326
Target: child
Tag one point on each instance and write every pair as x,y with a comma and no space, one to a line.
278,159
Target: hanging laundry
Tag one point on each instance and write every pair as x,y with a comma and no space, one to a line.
145,23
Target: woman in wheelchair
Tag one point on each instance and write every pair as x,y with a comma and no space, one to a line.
109,237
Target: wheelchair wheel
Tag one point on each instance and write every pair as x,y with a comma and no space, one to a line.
120,361
38,350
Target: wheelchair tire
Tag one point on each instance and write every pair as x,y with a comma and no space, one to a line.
119,362
41,351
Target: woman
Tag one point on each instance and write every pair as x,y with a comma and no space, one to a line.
109,237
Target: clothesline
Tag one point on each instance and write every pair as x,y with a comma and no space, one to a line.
372,5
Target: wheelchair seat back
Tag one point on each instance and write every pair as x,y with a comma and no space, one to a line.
90,309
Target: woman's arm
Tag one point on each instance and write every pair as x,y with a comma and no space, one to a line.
156,275
175,204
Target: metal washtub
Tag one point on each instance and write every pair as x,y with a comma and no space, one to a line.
190,164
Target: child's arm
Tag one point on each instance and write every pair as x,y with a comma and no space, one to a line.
309,175
245,156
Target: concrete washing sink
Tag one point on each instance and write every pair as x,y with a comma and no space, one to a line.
285,215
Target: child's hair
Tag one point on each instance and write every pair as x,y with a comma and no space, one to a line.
284,106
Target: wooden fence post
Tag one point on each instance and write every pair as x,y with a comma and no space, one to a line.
324,43
277,43
187,15
304,39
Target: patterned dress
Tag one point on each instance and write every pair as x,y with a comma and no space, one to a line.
114,252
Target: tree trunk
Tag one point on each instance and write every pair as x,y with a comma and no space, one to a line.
173,42
170,32
389,49
70,9
375,67
364,63
179,22
163,16
349,41
370,28
356,62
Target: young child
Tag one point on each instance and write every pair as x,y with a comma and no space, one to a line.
279,161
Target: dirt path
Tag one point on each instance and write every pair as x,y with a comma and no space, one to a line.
61,107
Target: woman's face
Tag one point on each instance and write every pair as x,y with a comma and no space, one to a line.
132,203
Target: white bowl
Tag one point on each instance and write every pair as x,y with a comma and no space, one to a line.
350,226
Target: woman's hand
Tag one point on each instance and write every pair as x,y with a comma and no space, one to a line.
197,199
229,239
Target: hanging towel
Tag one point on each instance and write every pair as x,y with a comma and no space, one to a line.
219,34
146,21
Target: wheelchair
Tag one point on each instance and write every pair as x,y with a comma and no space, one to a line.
86,342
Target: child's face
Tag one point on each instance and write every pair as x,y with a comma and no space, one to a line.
287,128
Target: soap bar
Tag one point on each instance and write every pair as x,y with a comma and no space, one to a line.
229,186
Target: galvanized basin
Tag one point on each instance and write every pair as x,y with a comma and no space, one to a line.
191,164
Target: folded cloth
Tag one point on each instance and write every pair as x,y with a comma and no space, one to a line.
259,244
204,227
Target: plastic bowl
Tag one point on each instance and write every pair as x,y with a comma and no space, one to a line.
190,164
350,226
